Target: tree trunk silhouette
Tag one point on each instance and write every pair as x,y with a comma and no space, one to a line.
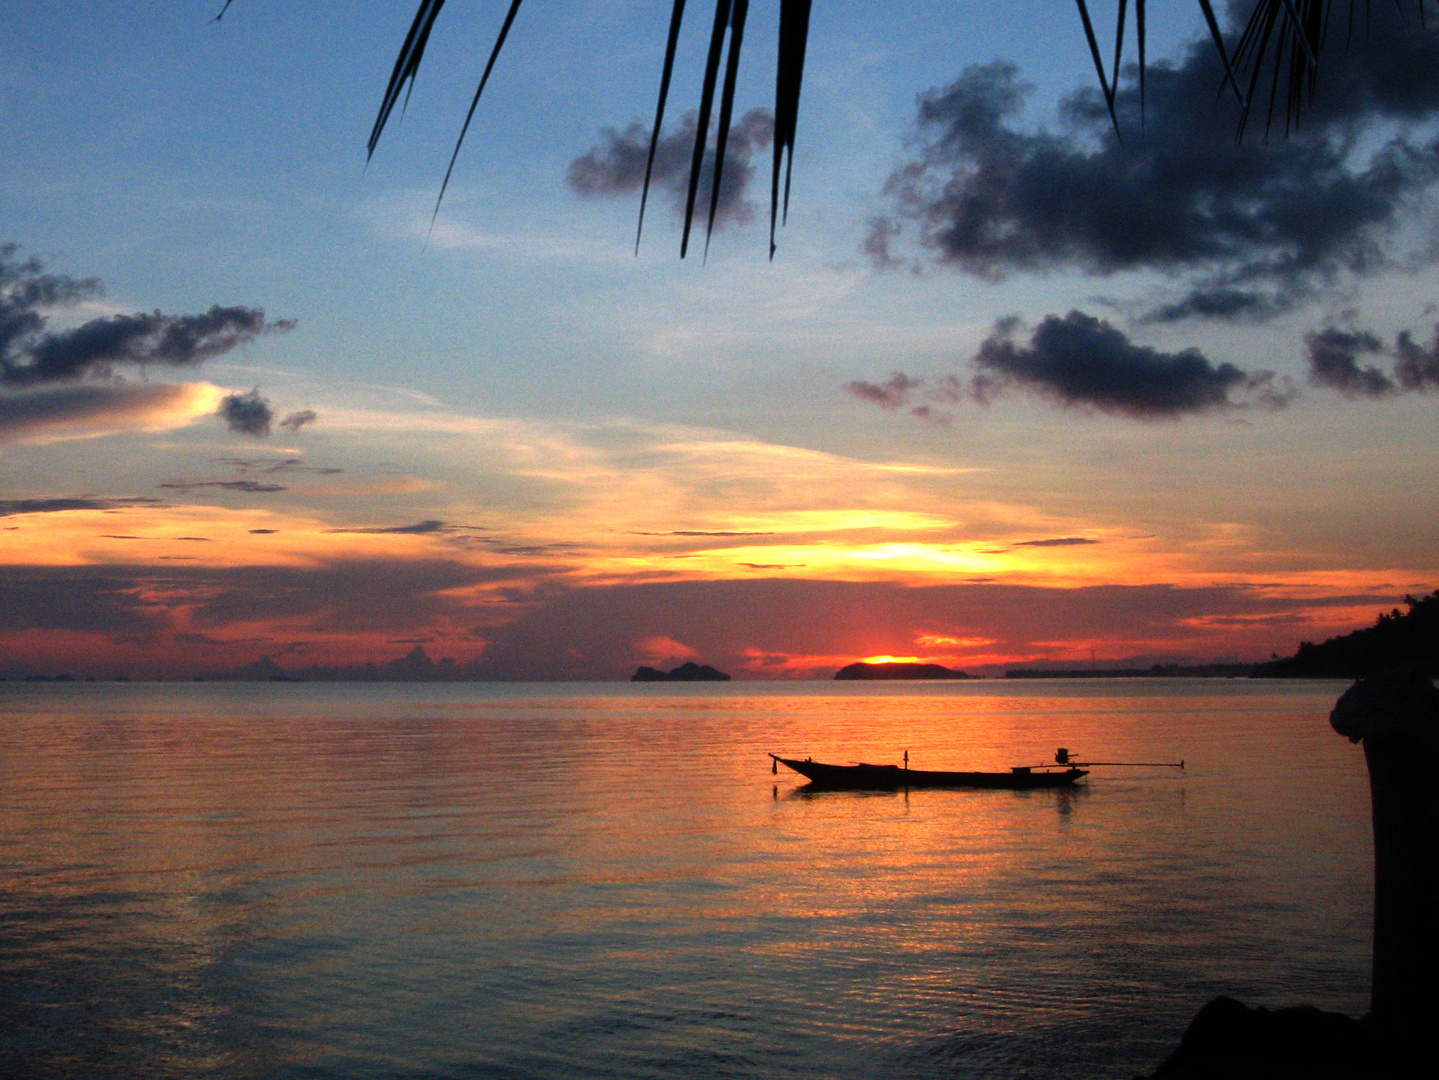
1396,715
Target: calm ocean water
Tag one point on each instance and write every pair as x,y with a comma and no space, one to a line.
598,880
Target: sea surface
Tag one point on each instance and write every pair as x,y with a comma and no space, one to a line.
606,880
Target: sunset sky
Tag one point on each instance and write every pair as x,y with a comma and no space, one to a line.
1011,391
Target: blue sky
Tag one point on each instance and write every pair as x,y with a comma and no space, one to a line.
608,420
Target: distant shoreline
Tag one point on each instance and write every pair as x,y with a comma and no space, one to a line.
1158,671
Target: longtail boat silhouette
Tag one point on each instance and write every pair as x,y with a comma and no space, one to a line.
862,776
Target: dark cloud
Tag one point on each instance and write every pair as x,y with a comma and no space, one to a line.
296,420
879,241
932,415
1335,355
92,408
1417,367
1221,302
701,532
350,596
501,548
1082,360
1253,223
25,289
253,487
247,414
77,598
143,338
898,392
31,354
1334,362
894,393
705,532
419,528
148,606
1057,541
9,507
264,532
278,465
617,165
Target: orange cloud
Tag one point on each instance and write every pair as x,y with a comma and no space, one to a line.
661,649
937,641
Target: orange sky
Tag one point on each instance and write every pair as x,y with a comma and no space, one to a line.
503,434
769,560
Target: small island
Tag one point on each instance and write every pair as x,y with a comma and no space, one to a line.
689,671
899,670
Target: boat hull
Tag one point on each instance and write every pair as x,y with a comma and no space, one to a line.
892,778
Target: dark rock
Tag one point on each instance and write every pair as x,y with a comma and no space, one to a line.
899,671
1228,1041
689,671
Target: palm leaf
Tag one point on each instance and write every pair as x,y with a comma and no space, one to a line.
1139,35
789,73
1288,49
736,42
1104,83
490,66
1302,37
702,129
407,65
1118,48
676,18
1230,77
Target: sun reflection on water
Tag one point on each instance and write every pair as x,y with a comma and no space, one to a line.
602,880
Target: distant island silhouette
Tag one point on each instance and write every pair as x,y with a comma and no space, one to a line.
689,671
899,670
1408,637
1397,638
414,666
